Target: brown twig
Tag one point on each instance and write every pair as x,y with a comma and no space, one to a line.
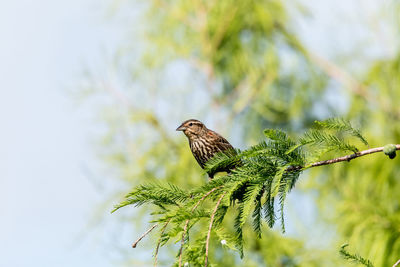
350,157
397,263
187,222
210,227
340,159
159,242
144,234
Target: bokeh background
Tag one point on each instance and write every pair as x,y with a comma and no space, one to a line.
92,91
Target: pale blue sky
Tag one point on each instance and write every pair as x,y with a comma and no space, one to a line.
46,198
47,195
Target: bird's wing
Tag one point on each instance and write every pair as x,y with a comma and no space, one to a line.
221,142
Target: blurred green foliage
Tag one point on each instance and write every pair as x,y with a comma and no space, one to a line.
240,67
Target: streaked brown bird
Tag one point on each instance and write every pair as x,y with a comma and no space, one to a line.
205,143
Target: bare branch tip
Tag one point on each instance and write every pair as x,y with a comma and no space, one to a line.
143,235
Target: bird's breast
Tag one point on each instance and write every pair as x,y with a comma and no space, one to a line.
201,151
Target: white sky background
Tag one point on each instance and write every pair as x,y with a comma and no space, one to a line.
46,199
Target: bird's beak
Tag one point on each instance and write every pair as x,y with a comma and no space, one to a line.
181,128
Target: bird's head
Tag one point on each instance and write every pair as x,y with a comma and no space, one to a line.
192,128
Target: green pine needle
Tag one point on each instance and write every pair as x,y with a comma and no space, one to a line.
355,258
343,125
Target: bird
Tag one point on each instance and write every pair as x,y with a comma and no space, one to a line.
205,143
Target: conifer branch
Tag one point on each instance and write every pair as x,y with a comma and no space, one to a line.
265,173
357,258
210,226
143,235
354,257
187,222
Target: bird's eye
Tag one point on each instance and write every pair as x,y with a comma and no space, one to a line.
190,124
